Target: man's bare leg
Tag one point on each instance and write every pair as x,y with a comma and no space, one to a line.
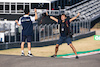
22,48
74,50
56,49
29,47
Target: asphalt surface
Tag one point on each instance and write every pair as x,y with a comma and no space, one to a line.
19,61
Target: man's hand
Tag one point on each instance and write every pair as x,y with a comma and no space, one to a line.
51,17
74,17
78,14
36,17
35,9
16,21
46,13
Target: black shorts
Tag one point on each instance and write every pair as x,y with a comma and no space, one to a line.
64,40
28,37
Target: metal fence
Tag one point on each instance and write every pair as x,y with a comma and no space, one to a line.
41,33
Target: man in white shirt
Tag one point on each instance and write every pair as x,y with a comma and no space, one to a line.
27,31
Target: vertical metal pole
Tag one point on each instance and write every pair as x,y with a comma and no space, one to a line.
49,8
4,7
39,33
6,45
35,33
24,5
54,5
85,27
76,28
10,7
48,32
56,31
73,27
82,27
89,25
52,31
16,7
44,32
9,33
15,32
30,7
70,27
79,27
4,31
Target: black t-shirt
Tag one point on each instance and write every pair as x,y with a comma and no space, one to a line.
63,28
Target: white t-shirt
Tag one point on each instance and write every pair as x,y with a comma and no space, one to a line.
31,17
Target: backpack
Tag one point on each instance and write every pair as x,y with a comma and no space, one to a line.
68,31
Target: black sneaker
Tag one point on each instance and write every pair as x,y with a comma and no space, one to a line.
22,54
30,55
54,56
77,57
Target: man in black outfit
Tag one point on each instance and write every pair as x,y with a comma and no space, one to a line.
64,32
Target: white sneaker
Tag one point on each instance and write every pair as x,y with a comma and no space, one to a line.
30,55
22,54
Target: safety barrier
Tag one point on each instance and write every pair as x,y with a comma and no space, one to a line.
41,33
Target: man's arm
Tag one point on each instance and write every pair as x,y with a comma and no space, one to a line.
17,22
74,18
36,17
53,18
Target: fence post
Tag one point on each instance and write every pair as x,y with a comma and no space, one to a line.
6,46
9,33
85,26
52,31
44,33
4,31
56,31
35,33
76,27
48,31
89,24
82,27
15,32
79,27
73,27
40,32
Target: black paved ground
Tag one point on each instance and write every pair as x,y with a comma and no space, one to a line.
18,61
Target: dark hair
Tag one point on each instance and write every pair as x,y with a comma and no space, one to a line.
63,14
26,11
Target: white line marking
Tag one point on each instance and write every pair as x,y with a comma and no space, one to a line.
80,55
